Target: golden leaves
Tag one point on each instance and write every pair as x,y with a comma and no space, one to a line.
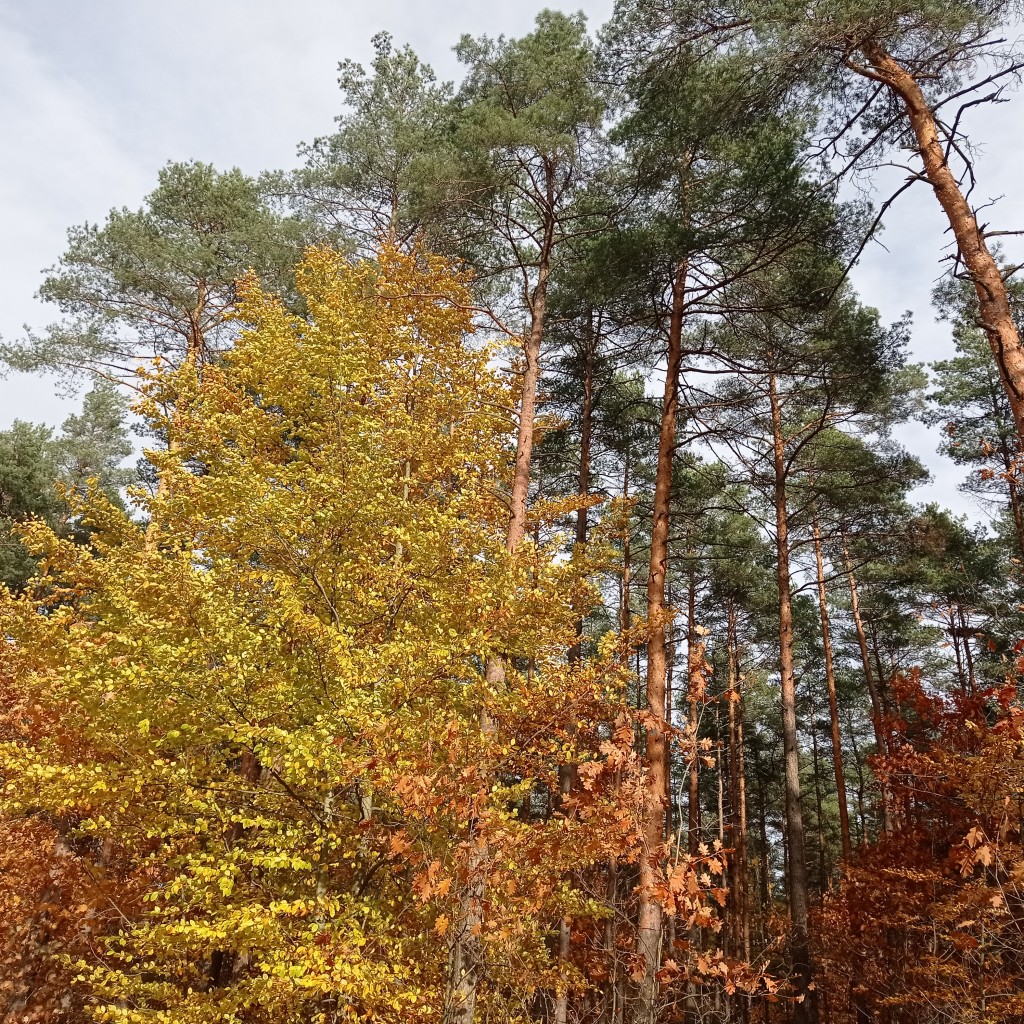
271,713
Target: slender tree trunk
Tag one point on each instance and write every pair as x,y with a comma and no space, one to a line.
669,708
806,1012
649,934
865,656
738,887
464,962
222,961
764,858
1016,509
965,632
720,759
528,401
822,862
996,315
583,478
883,676
954,638
625,612
1010,467
736,710
858,762
193,362
833,700
694,660
613,990
567,773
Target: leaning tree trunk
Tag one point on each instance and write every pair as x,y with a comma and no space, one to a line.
806,1008
656,729
996,315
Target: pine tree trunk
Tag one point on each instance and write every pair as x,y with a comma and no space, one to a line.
669,708
1010,469
737,894
649,934
740,771
865,657
806,1009
464,961
1016,509
694,686
833,700
965,633
567,773
996,315
625,611
858,763
822,862
765,890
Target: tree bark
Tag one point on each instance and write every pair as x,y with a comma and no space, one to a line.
670,657
965,633
694,686
822,861
865,656
567,773
996,315
764,853
625,611
1010,467
737,895
806,1008
737,763
464,962
649,934
833,700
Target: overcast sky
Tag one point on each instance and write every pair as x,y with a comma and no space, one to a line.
95,97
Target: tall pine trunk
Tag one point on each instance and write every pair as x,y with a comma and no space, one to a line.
694,674
649,932
567,773
738,790
833,701
806,1008
877,711
465,958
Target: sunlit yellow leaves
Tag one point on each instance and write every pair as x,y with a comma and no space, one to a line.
276,690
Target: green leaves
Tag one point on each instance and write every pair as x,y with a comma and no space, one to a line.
386,172
160,281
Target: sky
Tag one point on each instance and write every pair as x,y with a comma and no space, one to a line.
96,97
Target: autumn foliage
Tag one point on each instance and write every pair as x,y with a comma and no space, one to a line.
929,920
243,759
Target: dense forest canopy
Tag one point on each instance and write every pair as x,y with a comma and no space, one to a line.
521,609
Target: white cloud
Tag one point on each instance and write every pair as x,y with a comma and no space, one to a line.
62,166
94,98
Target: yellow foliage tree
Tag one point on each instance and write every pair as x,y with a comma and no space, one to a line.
276,689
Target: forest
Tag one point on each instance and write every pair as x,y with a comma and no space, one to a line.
520,609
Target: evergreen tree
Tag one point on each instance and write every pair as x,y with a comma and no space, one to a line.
160,281
385,172
28,472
